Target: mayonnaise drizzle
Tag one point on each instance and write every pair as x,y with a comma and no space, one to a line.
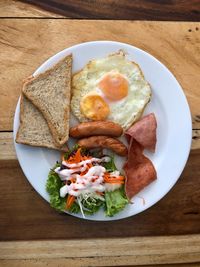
91,181
85,162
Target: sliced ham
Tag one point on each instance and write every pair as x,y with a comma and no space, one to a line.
144,132
139,170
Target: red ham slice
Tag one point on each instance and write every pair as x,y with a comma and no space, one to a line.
139,170
144,132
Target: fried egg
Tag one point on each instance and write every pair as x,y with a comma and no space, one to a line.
111,88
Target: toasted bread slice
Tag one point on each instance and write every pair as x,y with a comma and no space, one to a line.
33,129
50,93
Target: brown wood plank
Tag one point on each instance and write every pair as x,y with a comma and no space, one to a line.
112,252
196,132
24,215
13,8
7,149
80,262
113,9
28,43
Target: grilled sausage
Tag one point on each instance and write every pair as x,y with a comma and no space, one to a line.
92,128
104,142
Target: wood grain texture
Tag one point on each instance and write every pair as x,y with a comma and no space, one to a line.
24,215
81,262
107,252
13,8
28,43
7,149
113,9
196,132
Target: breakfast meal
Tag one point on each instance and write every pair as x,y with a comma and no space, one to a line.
107,97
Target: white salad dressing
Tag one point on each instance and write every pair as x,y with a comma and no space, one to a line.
89,182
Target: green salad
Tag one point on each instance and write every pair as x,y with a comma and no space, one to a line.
85,182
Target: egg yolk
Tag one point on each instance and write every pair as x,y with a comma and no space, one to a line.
114,86
94,107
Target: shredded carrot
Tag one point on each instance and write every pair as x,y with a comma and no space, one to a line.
70,201
120,178
89,165
113,180
77,157
83,173
73,180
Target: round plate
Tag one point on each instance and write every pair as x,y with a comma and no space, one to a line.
174,130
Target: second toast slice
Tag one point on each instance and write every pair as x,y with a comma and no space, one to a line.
33,129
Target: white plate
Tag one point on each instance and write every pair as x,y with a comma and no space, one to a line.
174,131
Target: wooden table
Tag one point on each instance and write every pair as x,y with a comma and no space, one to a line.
33,234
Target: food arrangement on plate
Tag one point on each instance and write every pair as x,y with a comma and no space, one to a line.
108,97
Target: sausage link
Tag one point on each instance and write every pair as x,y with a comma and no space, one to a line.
104,142
92,128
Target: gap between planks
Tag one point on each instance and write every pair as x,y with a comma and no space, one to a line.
7,149
104,252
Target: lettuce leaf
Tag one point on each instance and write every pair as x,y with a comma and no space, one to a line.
91,205
74,208
110,166
53,186
115,201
